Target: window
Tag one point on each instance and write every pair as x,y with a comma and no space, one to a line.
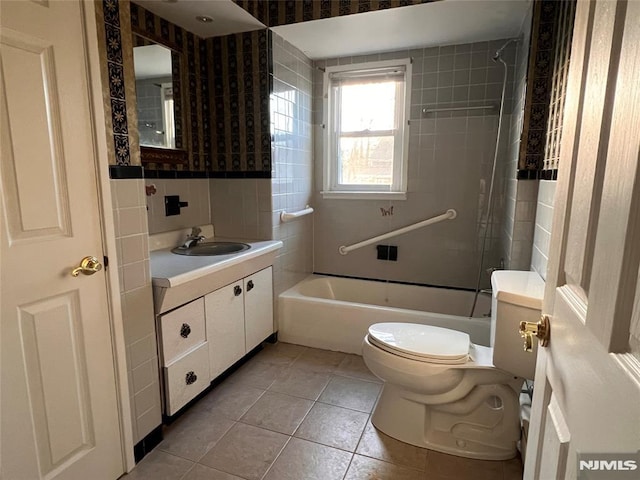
366,134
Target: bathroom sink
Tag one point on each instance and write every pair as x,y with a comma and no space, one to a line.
212,248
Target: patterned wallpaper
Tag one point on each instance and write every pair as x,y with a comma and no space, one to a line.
240,84
282,12
546,87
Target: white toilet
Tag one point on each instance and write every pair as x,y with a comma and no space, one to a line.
444,393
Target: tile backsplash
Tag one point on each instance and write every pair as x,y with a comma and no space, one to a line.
543,222
194,191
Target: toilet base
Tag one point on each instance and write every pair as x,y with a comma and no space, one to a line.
483,425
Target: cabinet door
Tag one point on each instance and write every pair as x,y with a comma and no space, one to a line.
181,330
224,312
258,307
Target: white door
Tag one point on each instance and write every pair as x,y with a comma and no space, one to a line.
587,385
59,410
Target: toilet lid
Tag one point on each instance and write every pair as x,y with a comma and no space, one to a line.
421,342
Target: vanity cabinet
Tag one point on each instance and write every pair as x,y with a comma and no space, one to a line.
184,354
201,339
239,317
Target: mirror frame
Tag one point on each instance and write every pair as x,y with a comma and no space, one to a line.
155,155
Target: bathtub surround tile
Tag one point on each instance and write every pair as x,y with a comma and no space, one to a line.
351,393
278,412
364,468
231,400
333,426
354,366
378,445
159,465
443,466
245,451
310,461
301,383
194,434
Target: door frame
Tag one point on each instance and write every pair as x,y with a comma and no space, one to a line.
107,224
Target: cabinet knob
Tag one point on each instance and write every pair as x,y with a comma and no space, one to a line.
185,330
237,290
249,285
190,378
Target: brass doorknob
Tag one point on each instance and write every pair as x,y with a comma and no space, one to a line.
541,329
89,265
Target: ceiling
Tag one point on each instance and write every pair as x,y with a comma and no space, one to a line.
446,22
227,16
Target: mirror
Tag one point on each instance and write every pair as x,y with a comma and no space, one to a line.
157,74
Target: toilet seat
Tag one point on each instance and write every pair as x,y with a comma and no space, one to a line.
424,343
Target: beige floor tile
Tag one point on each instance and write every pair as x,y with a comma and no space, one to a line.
443,466
280,353
301,383
245,451
159,465
333,426
513,469
193,434
321,361
229,399
354,366
257,374
200,472
351,393
302,460
365,468
378,445
278,412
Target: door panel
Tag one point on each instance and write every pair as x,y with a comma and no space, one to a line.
258,307
587,386
59,417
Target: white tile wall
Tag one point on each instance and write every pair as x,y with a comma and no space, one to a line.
450,160
129,209
544,220
194,191
292,167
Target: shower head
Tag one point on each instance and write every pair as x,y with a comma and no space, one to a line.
498,53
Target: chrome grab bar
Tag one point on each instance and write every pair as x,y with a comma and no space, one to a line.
448,215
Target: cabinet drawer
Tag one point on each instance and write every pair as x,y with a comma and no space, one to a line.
181,330
186,378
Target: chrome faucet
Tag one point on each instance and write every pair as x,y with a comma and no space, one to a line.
193,238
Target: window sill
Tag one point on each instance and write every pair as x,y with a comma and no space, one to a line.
364,195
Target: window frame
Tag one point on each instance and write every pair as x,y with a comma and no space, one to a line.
398,188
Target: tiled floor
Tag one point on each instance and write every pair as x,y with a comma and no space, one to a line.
297,413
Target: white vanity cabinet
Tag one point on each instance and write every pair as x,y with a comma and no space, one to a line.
184,354
239,316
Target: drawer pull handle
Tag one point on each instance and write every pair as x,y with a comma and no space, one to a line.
250,285
185,330
190,378
237,290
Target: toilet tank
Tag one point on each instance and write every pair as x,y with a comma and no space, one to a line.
517,296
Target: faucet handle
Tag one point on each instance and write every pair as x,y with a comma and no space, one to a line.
195,232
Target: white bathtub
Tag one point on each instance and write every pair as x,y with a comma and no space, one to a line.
334,313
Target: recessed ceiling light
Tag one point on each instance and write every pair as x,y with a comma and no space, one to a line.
204,19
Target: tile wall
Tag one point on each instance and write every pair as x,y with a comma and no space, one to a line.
520,196
194,191
137,304
544,220
292,171
450,160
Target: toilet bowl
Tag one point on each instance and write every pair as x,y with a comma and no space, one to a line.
444,393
